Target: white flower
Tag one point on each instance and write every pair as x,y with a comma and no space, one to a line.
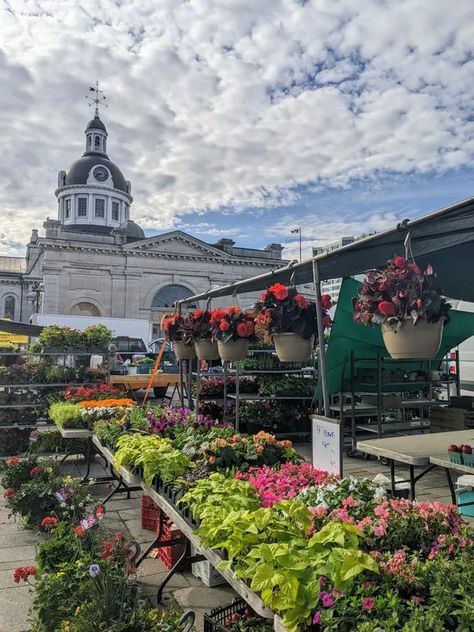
63,505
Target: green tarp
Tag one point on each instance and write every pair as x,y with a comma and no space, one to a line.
367,342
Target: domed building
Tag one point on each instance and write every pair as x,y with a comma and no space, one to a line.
95,261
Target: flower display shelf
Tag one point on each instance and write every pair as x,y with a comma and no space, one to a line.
188,531
29,395
237,372
123,474
378,376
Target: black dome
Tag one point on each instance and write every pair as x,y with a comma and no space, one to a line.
79,171
96,123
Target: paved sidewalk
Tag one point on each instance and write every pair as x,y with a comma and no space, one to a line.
17,547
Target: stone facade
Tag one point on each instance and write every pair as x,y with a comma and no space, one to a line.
88,268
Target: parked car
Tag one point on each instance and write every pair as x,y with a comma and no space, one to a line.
128,347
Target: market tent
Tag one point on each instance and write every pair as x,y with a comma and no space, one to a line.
22,329
444,238
367,342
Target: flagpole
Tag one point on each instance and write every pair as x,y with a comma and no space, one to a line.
299,229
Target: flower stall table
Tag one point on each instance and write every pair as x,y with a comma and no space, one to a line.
414,451
127,482
133,383
203,553
442,460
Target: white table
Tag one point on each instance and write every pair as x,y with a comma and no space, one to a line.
415,451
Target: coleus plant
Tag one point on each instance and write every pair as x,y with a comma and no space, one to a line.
232,323
282,309
400,292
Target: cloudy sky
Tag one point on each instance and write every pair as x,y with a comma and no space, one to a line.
242,118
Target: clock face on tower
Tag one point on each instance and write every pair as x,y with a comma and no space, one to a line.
100,173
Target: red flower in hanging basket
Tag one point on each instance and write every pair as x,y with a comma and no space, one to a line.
386,308
233,310
301,301
197,314
399,262
326,301
224,325
217,315
245,330
279,291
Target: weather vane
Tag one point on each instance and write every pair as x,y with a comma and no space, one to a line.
98,97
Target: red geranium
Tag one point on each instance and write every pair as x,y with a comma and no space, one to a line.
35,471
302,302
13,460
23,572
399,262
197,314
279,291
79,531
49,521
326,301
386,308
233,310
9,492
224,325
217,315
245,330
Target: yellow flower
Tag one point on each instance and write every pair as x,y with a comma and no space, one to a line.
60,573
67,479
77,611
49,470
66,626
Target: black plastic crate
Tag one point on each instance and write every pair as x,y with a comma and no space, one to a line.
214,620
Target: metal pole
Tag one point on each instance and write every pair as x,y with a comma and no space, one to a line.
237,396
300,243
322,368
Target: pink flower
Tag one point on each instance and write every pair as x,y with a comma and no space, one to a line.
327,600
317,618
368,603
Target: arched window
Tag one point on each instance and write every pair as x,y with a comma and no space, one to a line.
9,311
85,309
97,142
89,141
169,294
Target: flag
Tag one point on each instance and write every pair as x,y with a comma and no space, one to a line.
295,230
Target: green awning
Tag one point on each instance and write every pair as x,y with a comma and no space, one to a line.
367,342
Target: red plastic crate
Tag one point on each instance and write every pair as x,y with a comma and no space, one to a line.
150,513
169,555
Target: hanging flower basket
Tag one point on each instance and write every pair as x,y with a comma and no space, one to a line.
289,319
408,305
233,350
413,341
183,351
293,347
233,329
206,350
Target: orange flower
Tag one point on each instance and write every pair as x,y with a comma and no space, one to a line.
107,403
212,460
260,449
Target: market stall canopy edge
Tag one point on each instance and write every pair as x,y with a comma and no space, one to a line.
444,238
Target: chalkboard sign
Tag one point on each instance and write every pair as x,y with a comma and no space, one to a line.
327,444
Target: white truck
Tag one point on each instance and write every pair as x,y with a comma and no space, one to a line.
121,327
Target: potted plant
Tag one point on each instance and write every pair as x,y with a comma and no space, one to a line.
145,365
289,319
408,305
198,324
177,332
132,368
233,329
97,337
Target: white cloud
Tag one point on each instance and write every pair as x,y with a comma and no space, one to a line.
231,103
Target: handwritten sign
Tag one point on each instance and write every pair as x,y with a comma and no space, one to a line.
326,440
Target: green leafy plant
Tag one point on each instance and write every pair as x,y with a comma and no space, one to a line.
98,336
218,495
67,415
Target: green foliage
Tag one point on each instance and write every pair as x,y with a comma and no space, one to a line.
218,495
63,546
52,441
157,456
67,415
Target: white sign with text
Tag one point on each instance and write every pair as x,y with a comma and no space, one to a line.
326,444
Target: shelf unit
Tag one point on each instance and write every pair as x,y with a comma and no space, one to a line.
235,370
393,389
36,392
